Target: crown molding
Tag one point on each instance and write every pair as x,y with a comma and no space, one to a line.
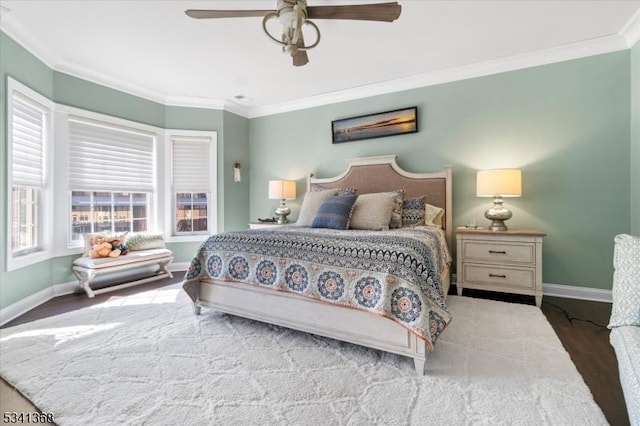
14,29
625,39
528,60
631,30
193,102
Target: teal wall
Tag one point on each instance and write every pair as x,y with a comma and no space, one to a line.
635,139
233,145
570,126
567,125
235,211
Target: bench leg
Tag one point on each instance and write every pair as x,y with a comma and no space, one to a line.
163,268
84,278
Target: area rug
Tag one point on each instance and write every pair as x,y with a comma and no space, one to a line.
147,359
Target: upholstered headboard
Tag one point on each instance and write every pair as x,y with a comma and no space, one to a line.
382,174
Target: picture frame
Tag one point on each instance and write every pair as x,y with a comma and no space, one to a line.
378,125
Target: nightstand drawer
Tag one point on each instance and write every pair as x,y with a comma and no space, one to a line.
478,251
512,277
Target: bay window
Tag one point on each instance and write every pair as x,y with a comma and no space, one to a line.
111,177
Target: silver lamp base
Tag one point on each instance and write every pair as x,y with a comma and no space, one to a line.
282,212
497,214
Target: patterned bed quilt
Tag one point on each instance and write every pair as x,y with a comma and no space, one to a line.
395,273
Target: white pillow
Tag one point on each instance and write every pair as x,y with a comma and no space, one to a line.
433,215
373,211
144,241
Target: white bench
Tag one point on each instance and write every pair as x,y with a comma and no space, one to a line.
86,269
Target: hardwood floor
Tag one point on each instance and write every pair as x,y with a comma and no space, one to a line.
580,325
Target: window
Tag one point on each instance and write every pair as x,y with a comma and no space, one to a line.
108,211
192,182
29,147
191,212
111,177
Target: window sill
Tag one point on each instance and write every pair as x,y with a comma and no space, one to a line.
18,262
196,238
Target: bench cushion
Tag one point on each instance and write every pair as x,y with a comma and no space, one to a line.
129,258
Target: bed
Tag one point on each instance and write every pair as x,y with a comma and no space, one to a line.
381,289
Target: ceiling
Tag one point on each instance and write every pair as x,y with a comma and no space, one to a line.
152,49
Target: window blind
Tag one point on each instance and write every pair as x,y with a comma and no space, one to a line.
109,157
28,123
191,164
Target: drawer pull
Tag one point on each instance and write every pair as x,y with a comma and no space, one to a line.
497,276
497,252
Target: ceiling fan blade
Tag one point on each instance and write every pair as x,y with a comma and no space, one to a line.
213,14
387,12
300,58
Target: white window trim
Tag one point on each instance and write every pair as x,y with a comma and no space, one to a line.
212,199
45,221
63,210
55,239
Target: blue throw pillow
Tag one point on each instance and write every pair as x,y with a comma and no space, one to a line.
335,212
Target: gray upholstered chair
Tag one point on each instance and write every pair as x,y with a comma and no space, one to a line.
625,319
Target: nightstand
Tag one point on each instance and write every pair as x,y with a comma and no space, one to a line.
506,261
268,225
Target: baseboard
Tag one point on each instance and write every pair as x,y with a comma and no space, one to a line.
569,291
179,266
574,292
36,299
25,305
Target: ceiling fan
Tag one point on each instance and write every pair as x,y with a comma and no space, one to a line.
294,14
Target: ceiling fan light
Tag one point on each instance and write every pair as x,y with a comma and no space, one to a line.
288,18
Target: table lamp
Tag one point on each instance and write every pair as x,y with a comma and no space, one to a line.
498,183
282,190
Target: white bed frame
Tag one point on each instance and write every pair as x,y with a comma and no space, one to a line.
309,315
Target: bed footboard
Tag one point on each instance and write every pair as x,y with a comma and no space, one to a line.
311,316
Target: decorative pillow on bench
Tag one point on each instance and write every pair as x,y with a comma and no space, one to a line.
144,241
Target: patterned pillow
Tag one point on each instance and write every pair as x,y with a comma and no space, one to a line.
335,212
373,211
413,211
144,241
396,213
626,281
317,187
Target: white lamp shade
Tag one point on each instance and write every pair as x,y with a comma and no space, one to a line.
282,190
502,182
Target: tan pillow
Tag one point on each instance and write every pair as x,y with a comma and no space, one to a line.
433,215
311,204
373,211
